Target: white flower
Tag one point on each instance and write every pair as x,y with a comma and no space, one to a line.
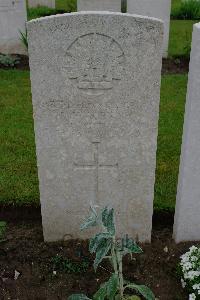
191,275
194,258
185,258
192,297
193,248
190,265
187,266
183,283
196,286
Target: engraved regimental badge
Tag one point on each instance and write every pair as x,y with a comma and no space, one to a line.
94,63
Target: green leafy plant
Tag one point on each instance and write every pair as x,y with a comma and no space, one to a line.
106,246
2,230
8,60
24,38
69,266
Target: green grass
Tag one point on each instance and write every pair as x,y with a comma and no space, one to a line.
172,104
68,5
175,5
187,10
62,6
18,176
180,37
41,11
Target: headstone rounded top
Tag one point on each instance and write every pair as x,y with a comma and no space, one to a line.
95,13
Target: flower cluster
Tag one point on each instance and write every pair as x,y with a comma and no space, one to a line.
190,272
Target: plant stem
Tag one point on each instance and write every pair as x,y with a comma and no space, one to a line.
121,279
114,257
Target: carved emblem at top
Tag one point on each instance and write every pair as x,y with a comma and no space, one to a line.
95,63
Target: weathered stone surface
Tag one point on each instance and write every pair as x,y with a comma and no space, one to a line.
102,5
35,3
153,8
12,21
187,215
95,87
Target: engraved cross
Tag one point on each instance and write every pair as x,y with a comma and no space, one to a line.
95,165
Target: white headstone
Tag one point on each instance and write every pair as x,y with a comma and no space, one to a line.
12,21
153,8
102,5
35,3
187,215
95,87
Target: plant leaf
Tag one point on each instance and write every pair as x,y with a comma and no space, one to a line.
102,251
108,289
97,240
130,246
112,286
143,290
101,293
91,221
78,297
108,220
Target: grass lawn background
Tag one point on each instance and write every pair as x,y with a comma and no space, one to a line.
18,176
175,4
180,37
172,106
